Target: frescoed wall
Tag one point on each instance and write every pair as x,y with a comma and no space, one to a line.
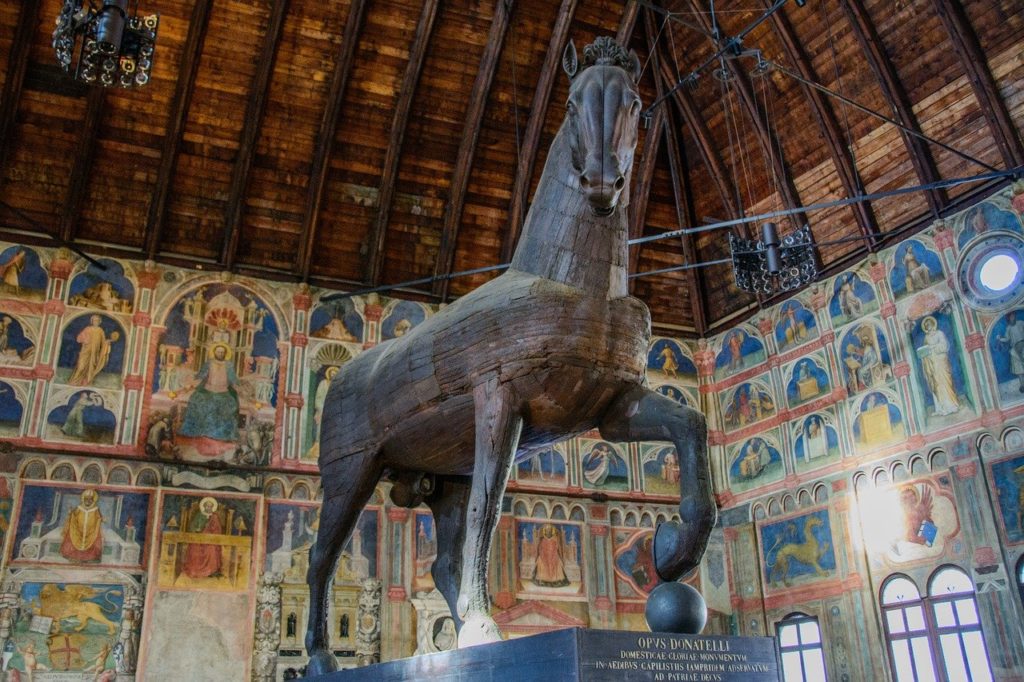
159,439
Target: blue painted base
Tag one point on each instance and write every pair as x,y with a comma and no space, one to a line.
575,655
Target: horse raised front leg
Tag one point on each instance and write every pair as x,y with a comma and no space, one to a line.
642,414
448,505
348,484
498,426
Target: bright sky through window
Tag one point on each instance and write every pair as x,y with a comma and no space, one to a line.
999,272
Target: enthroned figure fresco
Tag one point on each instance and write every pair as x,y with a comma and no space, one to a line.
795,325
807,381
816,441
92,351
915,267
864,357
22,275
747,404
756,462
670,359
337,320
740,350
216,375
987,216
1006,351
17,343
400,317
852,298
939,369
550,557
105,288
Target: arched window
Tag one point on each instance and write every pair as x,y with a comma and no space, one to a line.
957,625
799,638
906,631
937,638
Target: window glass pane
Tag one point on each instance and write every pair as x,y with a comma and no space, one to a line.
901,661
923,659
787,635
791,669
899,590
915,618
952,657
814,666
895,619
944,615
809,632
951,580
967,611
977,659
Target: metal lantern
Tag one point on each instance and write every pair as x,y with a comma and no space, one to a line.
103,43
772,265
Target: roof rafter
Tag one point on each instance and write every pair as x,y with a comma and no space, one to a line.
467,145
889,82
254,110
399,123
84,154
762,126
640,193
534,127
972,57
627,23
325,136
17,62
829,125
177,114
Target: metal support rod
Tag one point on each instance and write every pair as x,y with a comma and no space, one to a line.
42,230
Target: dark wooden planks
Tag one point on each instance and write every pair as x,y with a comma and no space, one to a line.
17,63
84,155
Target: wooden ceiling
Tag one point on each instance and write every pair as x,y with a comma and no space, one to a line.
365,142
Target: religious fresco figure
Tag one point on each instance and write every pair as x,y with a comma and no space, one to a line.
796,325
852,299
915,268
549,557
864,354
212,410
96,343
11,410
21,273
83,417
740,350
934,355
985,217
544,467
1006,349
104,288
400,317
550,566
756,462
1008,480
667,357
877,421
202,560
749,403
83,539
634,564
16,347
807,381
603,467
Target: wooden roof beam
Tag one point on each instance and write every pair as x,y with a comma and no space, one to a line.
535,126
829,125
640,192
254,110
82,165
467,146
889,82
399,123
627,23
177,114
17,63
762,126
325,136
991,102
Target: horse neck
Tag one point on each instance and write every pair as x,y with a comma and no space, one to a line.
564,241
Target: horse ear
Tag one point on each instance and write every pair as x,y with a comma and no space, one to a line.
569,61
634,63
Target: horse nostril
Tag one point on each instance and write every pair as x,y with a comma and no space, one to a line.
620,182
584,183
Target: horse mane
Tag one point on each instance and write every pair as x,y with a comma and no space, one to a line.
605,51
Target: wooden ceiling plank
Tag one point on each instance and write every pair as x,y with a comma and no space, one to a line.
762,126
467,145
829,125
399,123
972,58
535,126
627,23
254,110
896,96
17,64
640,192
176,117
82,165
325,136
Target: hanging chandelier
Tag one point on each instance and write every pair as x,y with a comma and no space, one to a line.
771,265
103,43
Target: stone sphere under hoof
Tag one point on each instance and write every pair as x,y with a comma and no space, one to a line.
676,608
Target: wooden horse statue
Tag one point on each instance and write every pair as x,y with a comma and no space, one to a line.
552,348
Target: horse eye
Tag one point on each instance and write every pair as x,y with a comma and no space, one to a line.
570,108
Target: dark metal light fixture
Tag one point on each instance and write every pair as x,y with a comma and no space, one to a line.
772,265
103,43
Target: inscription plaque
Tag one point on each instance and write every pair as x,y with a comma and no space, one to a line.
577,655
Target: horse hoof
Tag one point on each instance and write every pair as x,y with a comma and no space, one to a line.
321,663
478,630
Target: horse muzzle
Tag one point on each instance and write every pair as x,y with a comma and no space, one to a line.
602,192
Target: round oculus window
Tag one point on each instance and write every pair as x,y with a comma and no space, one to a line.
990,272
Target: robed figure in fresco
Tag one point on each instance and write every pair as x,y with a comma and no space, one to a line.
938,371
83,530
93,352
212,409
550,567
200,560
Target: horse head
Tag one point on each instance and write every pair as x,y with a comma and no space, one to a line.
601,119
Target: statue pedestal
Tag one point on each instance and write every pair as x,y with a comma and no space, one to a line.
578,655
